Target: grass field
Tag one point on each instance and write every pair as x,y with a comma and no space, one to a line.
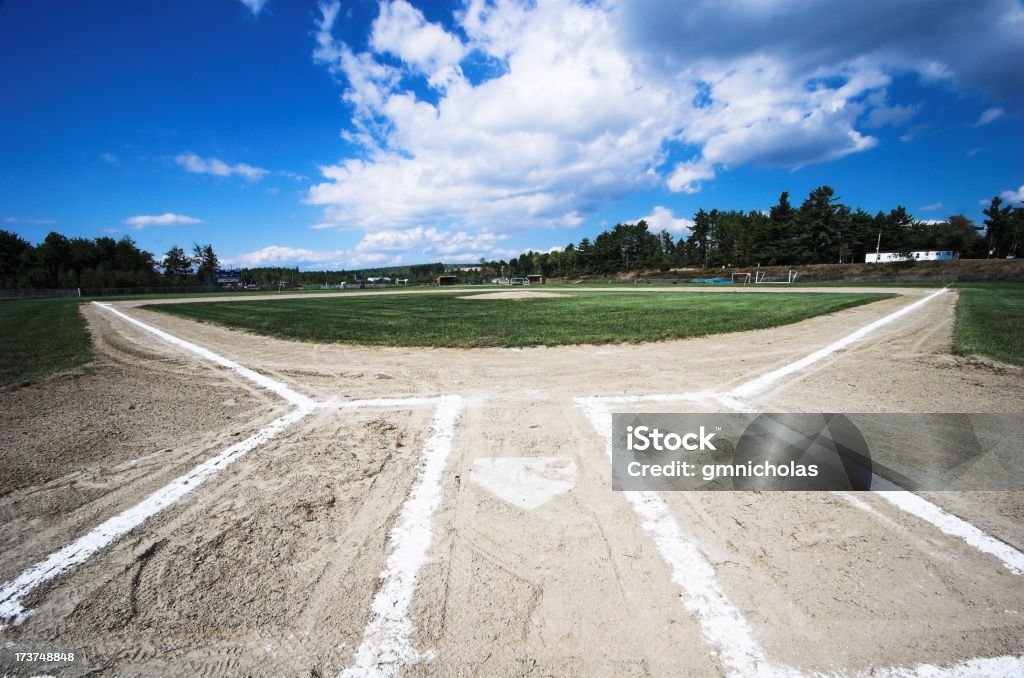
989,319
40,336
445,320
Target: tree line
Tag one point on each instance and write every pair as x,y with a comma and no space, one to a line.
820,230
265,276
62,262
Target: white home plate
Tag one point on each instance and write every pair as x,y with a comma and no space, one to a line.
526,482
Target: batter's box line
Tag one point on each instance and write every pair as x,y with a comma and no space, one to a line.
721,623
77,552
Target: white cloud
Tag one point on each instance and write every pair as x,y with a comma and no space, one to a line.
990,115
588,102
542,145
191,162
686,176
432,243
402,31
254,6
661,218
932,207
1013,196
167,219
110,158
883,113
278,255
385,248
29,222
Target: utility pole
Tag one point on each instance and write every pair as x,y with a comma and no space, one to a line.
878,247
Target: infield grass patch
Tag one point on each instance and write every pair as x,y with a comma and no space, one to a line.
442,320
40,336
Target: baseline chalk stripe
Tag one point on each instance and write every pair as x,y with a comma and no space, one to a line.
74,554
755,386
387,646
989,667
266,382
915,505
721,623
80,550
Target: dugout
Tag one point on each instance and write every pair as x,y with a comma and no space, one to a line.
445,280
535,279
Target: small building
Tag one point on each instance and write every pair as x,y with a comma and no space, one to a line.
229,276
445,280
920,255
535,279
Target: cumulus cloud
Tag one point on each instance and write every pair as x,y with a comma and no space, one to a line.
963,43
275,255
1013,196
589,102
402,31
561,132
167,219
686,176
191,162
386,248
989,116
662,218
437,244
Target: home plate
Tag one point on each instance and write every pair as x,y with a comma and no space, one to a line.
525,482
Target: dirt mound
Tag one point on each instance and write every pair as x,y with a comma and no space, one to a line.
516,294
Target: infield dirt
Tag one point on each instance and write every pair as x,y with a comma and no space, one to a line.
269,568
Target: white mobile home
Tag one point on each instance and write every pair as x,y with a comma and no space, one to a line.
922,255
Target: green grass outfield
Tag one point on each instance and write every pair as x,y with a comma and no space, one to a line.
444,320
989,321
40,336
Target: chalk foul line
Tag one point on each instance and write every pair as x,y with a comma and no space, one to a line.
755,386
721,623
263,381
387,646
104,534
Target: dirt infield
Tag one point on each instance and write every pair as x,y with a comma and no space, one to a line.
516,294
274,566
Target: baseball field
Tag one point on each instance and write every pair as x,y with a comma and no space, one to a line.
419,482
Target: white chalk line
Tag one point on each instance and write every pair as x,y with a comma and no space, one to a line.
954,526
264,381
387,645
951,525
77,552
721,623
755,386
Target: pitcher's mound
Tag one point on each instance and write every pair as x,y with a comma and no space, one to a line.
516,294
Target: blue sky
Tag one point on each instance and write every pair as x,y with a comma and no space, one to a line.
357,133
